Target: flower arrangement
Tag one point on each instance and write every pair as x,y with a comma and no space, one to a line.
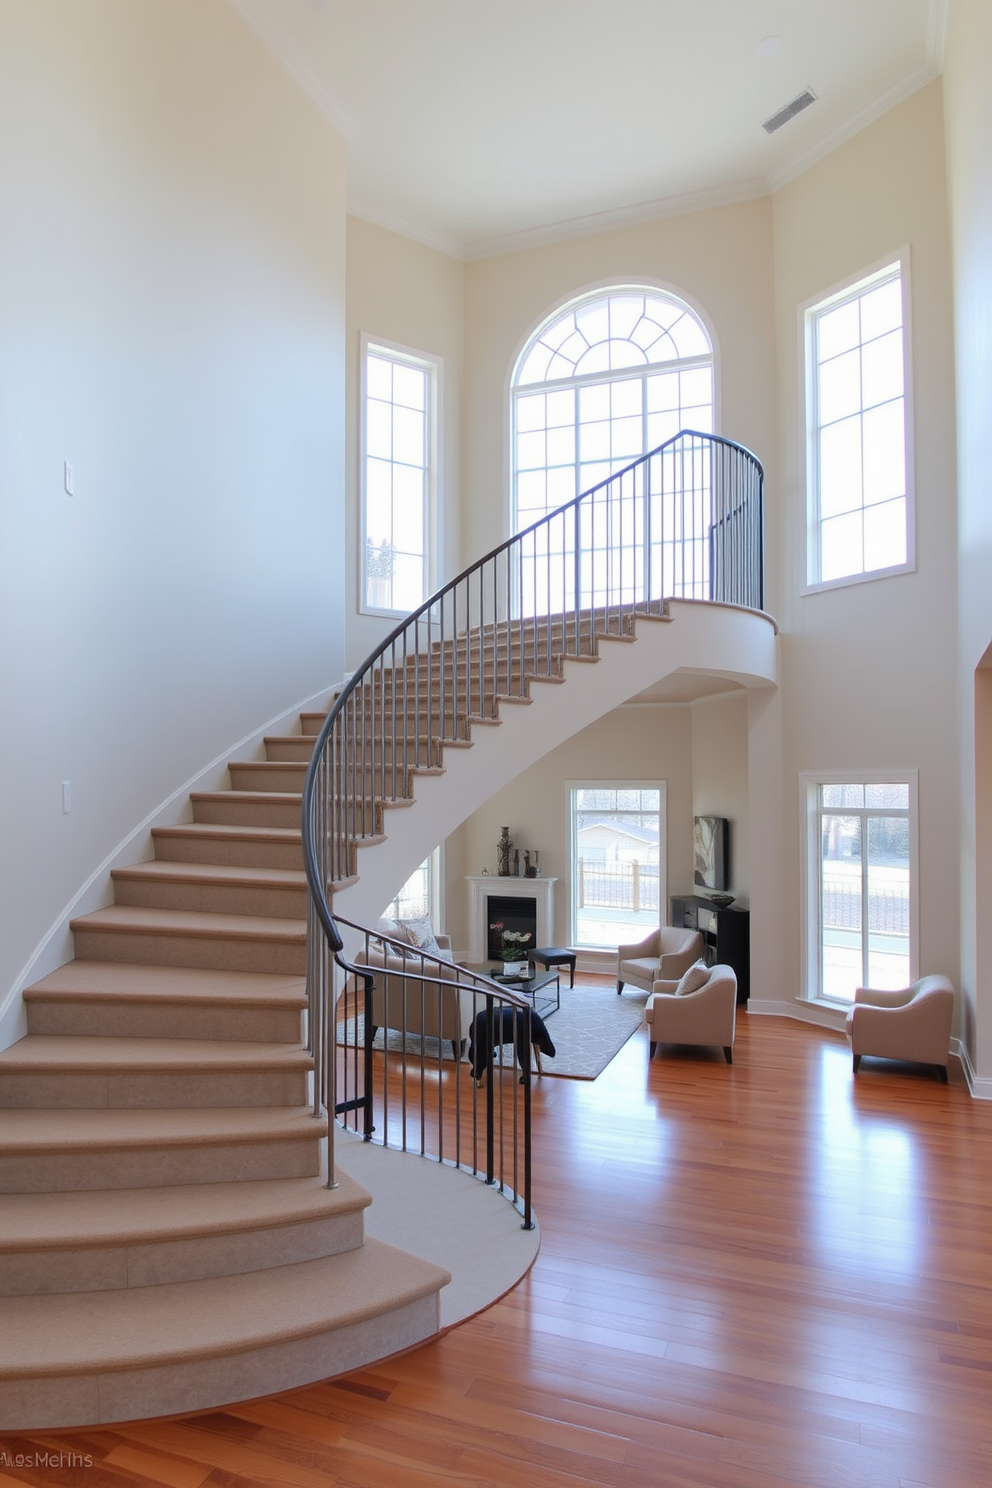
512,948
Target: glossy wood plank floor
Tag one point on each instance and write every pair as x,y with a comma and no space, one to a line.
750,1277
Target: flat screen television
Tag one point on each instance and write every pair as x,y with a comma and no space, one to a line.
710,843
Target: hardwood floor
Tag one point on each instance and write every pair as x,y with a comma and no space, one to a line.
750,1277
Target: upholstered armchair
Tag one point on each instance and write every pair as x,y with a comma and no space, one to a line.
707,1015
434,1008
665,954
913,1024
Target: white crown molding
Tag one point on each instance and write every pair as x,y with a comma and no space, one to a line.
441,242
937,33
258,18
618,217
853,125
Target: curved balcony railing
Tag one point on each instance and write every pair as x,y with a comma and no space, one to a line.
683,522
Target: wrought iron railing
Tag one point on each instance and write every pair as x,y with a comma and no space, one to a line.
683,522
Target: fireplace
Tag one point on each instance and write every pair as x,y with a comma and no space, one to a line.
521,903
512,914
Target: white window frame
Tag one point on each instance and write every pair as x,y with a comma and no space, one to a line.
515,390
811,902
809,315
571,786
434,367
435,900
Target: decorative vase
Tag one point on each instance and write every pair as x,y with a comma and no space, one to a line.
503,853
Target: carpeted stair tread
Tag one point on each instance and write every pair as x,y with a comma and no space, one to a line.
98,1332
88,1054
133,919
124,981
31,1131
143,1216
230,832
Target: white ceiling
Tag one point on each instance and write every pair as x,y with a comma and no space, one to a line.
483,125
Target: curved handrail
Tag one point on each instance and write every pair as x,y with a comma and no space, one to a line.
403,627
683,521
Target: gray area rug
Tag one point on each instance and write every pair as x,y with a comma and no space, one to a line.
591,1026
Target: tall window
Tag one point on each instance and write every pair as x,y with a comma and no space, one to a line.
858,491
417,897
398,464
618,862
604,381
861,855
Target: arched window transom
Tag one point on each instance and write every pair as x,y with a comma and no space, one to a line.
607,379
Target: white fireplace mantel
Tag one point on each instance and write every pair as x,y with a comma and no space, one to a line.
541,890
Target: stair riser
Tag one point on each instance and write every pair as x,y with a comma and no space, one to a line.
245,899
128,1395
282,779
209,953
191,847
102,1018
289,749
150,1089
233,811
104,1268
58,1170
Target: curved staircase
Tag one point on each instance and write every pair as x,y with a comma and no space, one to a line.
167,1241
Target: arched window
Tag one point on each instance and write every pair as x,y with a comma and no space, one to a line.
603,381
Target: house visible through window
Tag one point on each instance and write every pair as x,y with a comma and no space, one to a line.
618,858
861,872
397,478
858,489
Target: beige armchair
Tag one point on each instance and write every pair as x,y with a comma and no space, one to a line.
664,955
433,1008
707,1016
913,1024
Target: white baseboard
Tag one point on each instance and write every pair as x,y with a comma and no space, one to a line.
800,1011
979,1087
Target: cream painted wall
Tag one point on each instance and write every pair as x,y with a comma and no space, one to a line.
413,296
656,745
720,260
172,303
720,777
968,116
867,674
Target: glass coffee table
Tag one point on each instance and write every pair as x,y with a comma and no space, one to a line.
543,987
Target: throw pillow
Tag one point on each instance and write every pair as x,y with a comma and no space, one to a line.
421,933
393,929
697,976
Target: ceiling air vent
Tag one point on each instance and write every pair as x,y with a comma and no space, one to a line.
803,101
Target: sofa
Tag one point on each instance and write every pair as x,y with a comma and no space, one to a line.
430,1008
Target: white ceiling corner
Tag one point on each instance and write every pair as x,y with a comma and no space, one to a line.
315,86
853,125
937,33
442,242
474,129
598,222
